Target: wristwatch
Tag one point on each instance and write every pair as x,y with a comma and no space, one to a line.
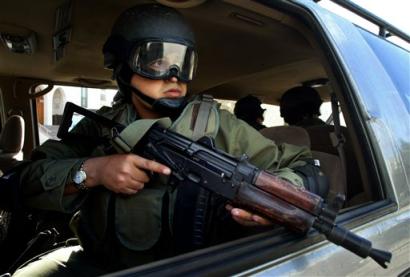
79,179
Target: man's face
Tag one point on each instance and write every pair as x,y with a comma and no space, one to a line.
171,88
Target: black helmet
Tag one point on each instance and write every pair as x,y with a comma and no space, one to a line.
154,41
298,103
249,108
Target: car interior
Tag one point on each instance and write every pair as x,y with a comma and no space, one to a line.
243,47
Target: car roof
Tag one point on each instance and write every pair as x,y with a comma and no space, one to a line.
240,52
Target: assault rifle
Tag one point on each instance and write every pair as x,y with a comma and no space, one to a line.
201,163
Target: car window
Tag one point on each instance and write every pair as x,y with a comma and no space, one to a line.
362,22
326,114
396,62
50,107
272,114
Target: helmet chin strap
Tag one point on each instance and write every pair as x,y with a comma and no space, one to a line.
171,107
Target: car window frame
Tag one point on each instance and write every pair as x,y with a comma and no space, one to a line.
251,254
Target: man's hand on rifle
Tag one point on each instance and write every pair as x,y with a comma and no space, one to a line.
121,173
247,218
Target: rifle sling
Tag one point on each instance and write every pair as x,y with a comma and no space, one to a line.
192,201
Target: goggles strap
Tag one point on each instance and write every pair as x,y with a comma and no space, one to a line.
150,101
169,107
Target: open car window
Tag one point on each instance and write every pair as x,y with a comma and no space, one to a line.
50,107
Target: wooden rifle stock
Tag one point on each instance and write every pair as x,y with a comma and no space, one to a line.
292,194
274,208
280,201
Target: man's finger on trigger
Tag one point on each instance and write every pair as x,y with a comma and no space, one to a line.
152,166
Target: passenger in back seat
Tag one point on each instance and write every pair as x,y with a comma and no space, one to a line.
249,110
300,106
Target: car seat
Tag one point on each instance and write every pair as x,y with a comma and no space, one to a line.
11,142
287,134
330,164
321,140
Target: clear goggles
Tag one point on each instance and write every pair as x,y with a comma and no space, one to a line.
163,60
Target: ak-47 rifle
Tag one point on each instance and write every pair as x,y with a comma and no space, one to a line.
201,163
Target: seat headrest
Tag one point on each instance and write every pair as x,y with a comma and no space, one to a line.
12,135
287,134
321,128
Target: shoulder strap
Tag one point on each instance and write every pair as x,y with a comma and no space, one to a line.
201,120
192,201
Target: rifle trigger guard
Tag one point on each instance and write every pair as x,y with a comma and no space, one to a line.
176,170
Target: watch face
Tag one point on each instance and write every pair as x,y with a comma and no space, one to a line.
79,177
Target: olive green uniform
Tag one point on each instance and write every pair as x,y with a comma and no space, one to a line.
128,229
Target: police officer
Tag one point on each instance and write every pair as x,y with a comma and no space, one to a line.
127,217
